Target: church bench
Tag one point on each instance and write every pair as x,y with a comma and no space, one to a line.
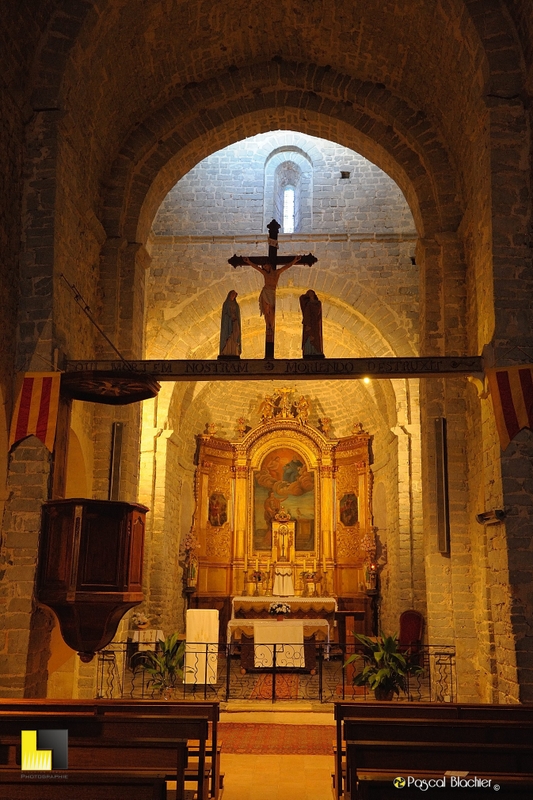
140,744
85,785
436,711
198,708
209,710
404,746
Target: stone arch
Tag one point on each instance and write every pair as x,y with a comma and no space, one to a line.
500,49
366,118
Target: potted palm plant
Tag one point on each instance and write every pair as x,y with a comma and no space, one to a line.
165,665
385,667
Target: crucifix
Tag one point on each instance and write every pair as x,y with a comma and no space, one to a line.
271,267
284,533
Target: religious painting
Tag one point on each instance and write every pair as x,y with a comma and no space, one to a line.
218,510
349,511
284,482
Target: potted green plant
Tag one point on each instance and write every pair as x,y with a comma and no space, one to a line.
165,665
385,667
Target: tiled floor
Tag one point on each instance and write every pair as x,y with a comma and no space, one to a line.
277,777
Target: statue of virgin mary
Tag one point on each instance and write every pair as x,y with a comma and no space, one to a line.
230,327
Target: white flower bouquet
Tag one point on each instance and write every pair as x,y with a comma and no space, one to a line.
279,608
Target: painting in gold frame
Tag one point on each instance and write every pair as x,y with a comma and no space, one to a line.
283,480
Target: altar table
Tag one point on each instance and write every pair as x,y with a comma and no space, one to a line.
267,634
324,607
317,627
147,638
286,637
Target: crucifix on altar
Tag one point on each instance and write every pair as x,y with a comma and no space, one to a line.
271,267
283,532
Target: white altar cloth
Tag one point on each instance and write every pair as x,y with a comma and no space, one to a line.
287,637
201,647
318,627
283,585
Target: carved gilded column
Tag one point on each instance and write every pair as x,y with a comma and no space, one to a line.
241,472
327,510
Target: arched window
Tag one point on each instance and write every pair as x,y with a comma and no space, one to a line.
289,190
288,209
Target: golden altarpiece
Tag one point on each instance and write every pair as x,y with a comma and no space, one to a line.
284,493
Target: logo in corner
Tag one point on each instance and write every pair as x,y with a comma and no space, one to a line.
399,783
44,750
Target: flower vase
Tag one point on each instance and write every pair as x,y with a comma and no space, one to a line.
280,617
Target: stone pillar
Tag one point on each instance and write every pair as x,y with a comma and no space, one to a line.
26,629
122,281
510,128
404,575
449,578
160,485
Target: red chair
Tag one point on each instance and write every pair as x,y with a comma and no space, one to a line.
410,636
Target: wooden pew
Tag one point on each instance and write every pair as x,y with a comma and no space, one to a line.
438,711
199,708
178,708
399,747
145,746
84,786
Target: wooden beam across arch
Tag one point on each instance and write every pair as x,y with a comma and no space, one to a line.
284,368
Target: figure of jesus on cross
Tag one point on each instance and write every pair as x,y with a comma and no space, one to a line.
271,267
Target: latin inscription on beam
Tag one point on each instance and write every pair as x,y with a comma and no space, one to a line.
296,369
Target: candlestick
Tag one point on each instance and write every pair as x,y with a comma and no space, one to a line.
256,564
245,562
324,563
314,565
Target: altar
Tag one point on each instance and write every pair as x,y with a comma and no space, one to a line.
282,511
301,607
268,643
319,628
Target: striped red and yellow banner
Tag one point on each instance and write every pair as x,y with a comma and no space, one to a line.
511,389
36,408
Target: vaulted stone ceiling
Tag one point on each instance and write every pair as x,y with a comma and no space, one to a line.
141,81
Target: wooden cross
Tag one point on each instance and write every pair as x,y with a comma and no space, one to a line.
268,265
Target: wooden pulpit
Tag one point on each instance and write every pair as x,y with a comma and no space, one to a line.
90,567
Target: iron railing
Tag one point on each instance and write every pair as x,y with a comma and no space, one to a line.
245,671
